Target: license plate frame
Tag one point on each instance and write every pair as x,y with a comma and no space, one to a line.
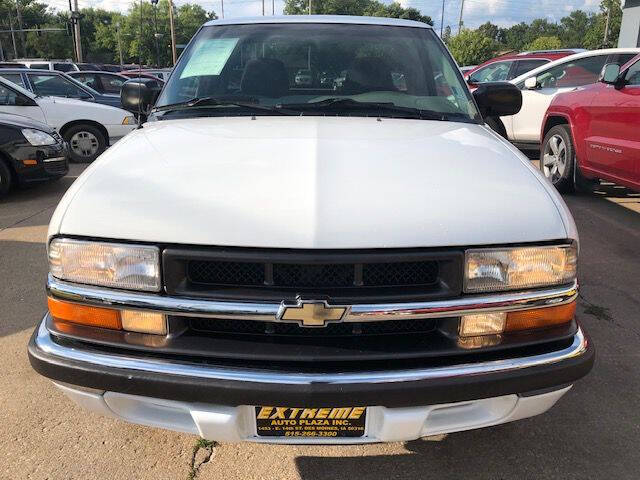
308,422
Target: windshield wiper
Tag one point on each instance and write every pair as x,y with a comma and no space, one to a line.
221,102
389,107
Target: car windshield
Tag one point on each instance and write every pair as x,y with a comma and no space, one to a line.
56,85
327,69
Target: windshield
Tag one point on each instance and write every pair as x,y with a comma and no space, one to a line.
55,85
294,66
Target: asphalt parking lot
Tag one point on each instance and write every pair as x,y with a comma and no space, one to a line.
592,433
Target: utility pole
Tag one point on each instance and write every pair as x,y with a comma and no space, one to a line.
119,42
13,36
19,17
155,31
263,8
76,28
442,19
222,7
606,27
460,20
273,7
73,31
1,51
310,7
173,33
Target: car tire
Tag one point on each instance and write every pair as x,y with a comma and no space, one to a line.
6,179
86,143
557,158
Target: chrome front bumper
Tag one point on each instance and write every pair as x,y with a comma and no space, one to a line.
45,344
268,312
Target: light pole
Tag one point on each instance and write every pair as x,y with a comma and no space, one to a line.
173,34
119,42
155,30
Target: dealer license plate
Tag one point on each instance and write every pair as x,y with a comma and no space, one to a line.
331,422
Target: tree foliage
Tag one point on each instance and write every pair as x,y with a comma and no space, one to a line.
577,30
550,42
470,47
372,8
99,29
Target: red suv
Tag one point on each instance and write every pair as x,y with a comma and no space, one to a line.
512,65
593,132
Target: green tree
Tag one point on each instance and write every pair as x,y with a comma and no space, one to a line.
614,9
371,8
574,27
137,31
545,43
515,37
327,7
492,31
471,47
395,10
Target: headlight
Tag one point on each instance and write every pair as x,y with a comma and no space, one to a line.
130,120
38,138
133,267
489,270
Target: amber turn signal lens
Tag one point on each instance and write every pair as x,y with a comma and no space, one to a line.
540,317
84,315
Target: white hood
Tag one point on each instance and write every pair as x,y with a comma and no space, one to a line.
313,182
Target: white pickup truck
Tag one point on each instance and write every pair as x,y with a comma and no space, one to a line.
336,262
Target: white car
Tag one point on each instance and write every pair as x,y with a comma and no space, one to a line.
88,127
541,85
258,263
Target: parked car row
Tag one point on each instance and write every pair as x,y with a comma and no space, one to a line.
88,127
67,66
509,66
580,110
30,151
51,83
592,132
80,111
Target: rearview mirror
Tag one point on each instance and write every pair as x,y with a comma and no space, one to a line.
531,83
497,99
140,94
610,74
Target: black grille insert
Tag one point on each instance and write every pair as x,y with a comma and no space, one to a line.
334,275
399,274
340,329
226,273
295,275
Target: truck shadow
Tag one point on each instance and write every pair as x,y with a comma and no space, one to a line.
557,445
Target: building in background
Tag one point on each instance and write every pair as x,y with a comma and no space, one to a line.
630,27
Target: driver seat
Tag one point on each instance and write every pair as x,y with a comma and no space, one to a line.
265,77
368,74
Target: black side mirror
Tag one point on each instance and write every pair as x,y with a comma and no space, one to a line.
611,75
139,94
497,99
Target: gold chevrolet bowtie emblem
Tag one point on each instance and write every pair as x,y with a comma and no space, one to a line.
311,313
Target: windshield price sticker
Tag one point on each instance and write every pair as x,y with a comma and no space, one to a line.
311,422
210,57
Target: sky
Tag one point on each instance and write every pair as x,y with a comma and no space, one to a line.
501,12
